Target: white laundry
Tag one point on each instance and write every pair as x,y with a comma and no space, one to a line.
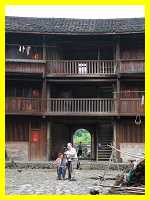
19,48
28,50
142,100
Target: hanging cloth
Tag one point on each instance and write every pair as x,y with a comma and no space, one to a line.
19,48
28,50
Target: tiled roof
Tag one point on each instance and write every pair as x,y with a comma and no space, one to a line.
74,26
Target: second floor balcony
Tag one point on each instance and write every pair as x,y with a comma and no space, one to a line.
75,106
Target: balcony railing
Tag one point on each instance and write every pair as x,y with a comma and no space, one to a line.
23,105
78,105
131,106
131,66
35,68
81,67
74,106
76,67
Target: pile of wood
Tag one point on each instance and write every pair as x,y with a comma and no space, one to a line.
133,182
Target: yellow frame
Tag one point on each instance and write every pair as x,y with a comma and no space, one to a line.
2,95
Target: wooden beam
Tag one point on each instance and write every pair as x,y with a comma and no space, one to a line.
44,48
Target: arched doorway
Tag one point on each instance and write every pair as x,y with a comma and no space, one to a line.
82,140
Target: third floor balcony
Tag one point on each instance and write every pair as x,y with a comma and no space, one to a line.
34,59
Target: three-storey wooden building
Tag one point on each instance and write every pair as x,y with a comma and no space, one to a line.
65,74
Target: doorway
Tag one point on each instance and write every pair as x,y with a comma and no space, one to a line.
82,142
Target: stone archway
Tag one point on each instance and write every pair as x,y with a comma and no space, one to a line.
82,138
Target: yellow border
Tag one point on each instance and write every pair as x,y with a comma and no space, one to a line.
2,94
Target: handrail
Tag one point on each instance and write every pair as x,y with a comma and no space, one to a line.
74,105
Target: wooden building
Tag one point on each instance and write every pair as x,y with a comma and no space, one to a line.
66,74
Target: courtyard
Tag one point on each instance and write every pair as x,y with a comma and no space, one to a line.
43,181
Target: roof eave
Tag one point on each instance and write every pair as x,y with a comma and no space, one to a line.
77,33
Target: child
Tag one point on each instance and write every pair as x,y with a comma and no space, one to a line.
61,163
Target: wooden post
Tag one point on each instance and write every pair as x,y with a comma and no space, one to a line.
117,53
44,99
115,136
44,48
48,140
97,128
29,149
48,96
44,55
118,96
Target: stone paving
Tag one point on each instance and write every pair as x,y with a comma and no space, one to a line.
43,181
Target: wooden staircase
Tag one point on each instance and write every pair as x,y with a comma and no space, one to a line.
103,151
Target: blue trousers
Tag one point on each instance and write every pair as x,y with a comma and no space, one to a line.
61,171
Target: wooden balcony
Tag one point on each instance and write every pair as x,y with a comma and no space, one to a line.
75,68
78,106
27,68
74,106
21,105
131,106
81,67
131,66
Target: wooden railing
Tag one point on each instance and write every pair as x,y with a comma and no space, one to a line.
131,66
77,67
74,106
78,105
82,67
131,106
18,67
23,105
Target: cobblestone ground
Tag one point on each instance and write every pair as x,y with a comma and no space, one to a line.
43,181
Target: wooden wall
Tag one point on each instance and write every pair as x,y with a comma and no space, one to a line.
132,48
130,137
19,130
128,131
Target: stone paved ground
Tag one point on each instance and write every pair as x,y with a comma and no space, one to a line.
43,181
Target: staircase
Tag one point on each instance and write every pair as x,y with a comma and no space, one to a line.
103,151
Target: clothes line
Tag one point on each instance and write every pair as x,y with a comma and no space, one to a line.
129,154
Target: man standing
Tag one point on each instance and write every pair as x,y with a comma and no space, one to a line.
80,150
72,161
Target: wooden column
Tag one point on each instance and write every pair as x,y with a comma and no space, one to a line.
97,128
115,136
92,145
44,48
44,96
117,58
48,96
118,95
29,147
44,55
49,145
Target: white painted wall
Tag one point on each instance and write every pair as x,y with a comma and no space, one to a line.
133,148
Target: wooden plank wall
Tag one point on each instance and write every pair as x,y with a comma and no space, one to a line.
17,129
128,131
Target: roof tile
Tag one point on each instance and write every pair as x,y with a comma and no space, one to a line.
65,25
